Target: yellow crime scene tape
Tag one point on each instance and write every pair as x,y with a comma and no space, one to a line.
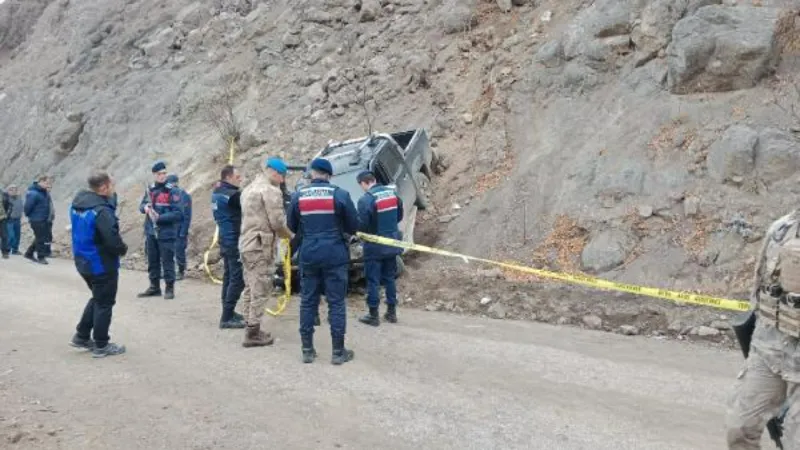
582,279
287,256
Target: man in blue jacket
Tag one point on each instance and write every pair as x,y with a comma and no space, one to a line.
183,234
379,212
324,214
227,209
96,248
37,210
163,219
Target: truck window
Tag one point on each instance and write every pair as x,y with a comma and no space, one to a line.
391,163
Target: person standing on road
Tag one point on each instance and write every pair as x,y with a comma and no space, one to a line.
97,248
227,210
48,243
183,234
772,370
323,213
161,206
37,210
263,224
5,209
14,219
379,212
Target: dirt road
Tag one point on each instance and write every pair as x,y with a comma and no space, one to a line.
434,381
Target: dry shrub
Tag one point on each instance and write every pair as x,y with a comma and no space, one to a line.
567,240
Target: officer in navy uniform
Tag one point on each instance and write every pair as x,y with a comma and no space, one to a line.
183,234
324,214
379,212
227,208
97,248
161,206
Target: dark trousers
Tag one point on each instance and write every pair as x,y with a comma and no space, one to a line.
5,245
39,239
313,283
160,257
96,317
380,272
232,281
14,230
180,252
48,239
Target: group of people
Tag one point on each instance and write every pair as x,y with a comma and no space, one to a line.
37,207
321,218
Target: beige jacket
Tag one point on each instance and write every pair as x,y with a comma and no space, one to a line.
263,218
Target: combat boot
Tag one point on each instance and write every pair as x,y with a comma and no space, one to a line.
228,320
341,355
391,314
79,342
180,275
371,318
309,353
254,337
153,291
169,291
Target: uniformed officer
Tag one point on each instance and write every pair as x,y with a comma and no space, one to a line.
263,224
227,208
323,214
163,218
379,212
183,233
772,370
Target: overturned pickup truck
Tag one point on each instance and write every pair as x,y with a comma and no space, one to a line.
401,160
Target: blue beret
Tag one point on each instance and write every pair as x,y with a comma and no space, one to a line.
322,165
159,166
277,165
172,178
363,175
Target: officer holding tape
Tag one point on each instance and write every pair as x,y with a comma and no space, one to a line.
323,213
772,370
379,212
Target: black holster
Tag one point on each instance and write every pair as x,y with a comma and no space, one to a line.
743,326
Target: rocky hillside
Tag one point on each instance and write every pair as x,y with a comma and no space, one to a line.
650,141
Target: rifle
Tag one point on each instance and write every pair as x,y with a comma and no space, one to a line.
743,327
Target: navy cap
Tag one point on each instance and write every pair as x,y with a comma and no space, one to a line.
322,165
159,166
172,178
277,165
363,175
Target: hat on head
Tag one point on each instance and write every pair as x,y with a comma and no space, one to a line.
363,175
172,178
322,165
159,166
277,165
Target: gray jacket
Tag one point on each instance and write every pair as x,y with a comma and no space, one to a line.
16,207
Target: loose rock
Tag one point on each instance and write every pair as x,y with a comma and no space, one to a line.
505,5
497,311
629,330
721,325
704,331
592,321
733,155
486,300
606,250
370,9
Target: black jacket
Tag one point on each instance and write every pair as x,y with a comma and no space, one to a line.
96,243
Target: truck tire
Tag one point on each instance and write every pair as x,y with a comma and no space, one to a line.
423,182
401,267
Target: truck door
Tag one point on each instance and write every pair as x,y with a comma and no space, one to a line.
392,170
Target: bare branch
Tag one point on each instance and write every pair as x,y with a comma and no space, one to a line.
219,114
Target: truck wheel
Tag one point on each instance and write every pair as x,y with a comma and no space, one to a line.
401,267
423,182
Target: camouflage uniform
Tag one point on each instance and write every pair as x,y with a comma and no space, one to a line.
772,371
263,223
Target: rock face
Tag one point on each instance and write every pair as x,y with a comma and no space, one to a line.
606,251
734,154
723,48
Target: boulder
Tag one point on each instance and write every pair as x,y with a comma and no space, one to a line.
607,250
733,155
723,49
777,155
455,16
67,136
370,10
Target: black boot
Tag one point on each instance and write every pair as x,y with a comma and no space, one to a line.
341,355
153,291
180,275
169,291
371,318
229,320
391,314
309,354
